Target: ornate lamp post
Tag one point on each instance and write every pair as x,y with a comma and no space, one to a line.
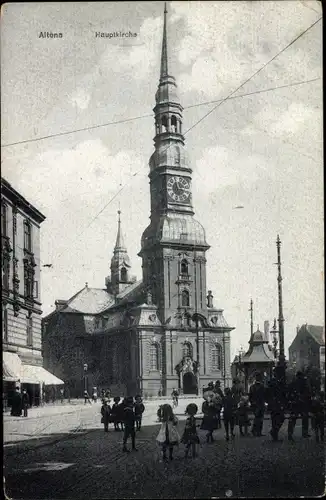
281,365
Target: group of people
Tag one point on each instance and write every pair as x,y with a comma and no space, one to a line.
20,403
125,415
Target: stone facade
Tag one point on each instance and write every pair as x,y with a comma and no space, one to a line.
21,293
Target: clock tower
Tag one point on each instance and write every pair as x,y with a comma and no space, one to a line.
174,244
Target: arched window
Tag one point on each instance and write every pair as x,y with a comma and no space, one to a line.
174,124
185,299
184,266
123,274
157,127
154,360
187,350
164,124
216,357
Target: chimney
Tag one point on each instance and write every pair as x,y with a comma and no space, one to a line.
60,304
266,330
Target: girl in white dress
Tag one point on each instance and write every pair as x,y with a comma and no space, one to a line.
168,437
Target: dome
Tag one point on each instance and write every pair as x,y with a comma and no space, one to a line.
176,227
258,336
172,155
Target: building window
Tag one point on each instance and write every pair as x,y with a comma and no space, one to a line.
27,236
184,267
5,324
217,357
185,299
123,274
36,290
29,321
154,356
187,350
4,219
164,124
174,124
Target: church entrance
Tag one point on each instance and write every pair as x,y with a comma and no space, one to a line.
189,383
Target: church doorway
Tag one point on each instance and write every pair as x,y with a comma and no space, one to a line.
189,383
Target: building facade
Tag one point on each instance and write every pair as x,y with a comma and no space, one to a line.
161,332
305,349
21,292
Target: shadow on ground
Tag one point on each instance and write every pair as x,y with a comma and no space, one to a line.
91,465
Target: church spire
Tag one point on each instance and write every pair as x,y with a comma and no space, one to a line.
119,244
164,56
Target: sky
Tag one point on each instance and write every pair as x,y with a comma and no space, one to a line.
262,151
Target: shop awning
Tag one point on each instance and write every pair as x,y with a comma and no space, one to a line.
38,375
13,370
11,367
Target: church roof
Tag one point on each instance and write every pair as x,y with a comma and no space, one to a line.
131,291
89,301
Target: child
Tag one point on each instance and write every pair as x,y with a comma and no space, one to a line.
139,410
209,422
190,437
129,424
243,418
115,413
318,415
105,412
230,408
168,437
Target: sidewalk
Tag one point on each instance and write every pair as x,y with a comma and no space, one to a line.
48,409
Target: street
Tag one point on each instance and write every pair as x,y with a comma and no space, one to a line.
75,459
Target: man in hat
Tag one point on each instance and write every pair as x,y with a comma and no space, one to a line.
129,424
25,402
16,406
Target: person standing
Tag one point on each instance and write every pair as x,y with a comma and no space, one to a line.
16,407
209,422
229,412
243,416
219,399
25,402
129,424
175,397
61,395
318,415
276,399
190,437
139,410
300,400
105,412
168,436
257,401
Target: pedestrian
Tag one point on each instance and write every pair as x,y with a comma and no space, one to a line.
94,394
175,397
139,410
299,398
190,437
16,406
129,424
229,412
237,390
276,399
168,436
25,402
105,412
159,413
87,399
121,409
243,416
318,415
257,396
68,394
116,413
209,422
61,395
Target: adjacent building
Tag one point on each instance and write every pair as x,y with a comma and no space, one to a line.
163,331
308,348
21,294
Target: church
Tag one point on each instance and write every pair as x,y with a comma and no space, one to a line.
161,332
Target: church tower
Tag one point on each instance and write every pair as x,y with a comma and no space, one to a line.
120,265
173,246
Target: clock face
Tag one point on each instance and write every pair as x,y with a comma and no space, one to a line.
178,189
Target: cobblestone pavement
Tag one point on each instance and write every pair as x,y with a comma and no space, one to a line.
87,463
